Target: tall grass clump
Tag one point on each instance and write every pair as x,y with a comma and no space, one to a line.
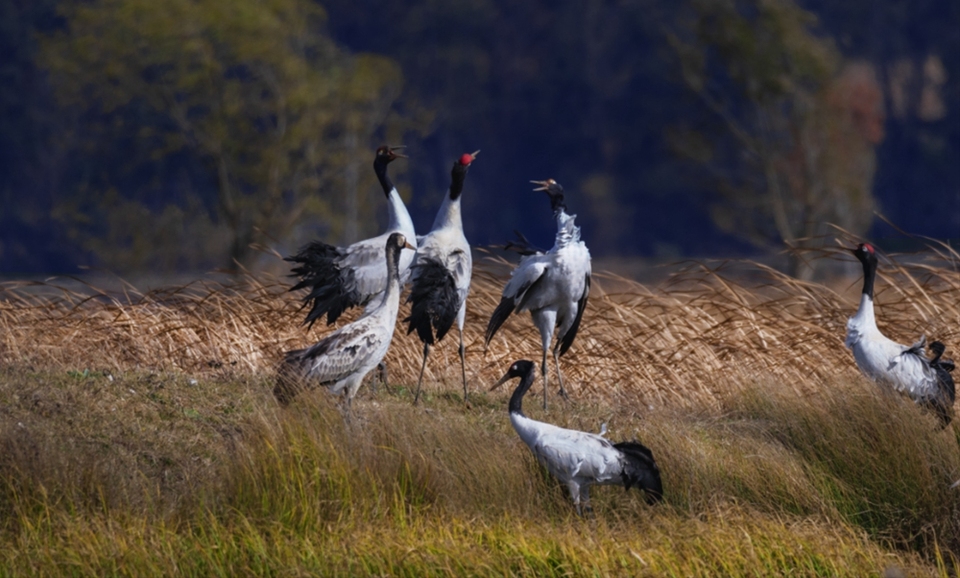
885,465
446,491
312,467
139,436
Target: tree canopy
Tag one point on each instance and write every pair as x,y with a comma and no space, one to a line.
185,134
251,92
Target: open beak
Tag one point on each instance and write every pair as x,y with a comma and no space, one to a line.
407,245
544,185
393,151
503,380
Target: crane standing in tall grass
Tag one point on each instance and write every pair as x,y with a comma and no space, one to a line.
341,360
440,274
906,369
580,459
553,286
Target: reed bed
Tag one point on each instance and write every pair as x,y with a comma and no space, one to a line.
139,436
685,342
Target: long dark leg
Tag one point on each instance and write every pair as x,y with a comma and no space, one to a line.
585,501
426,353
543,370
463,368
381,376
556,359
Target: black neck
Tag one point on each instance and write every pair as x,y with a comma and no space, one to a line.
516,400
556,203
380,167
457,176
393,262
869,275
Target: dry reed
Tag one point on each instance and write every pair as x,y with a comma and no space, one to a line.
685,342
138,435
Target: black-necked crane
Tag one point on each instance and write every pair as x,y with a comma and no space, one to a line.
440,274
343,277
342,359
904,368
553,286
581,459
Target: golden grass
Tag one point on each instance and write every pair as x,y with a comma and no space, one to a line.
139,436
687,342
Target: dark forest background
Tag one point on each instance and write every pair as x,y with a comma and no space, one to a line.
188,135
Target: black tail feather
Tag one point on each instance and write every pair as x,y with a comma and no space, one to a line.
292,375
522,245
290,380
331,287
435,302
641,470
942,405
938,361
566,340
500,315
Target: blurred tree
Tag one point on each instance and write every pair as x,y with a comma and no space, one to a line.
791,144
251,92
915,49
30,161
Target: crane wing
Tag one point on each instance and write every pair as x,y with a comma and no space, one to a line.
523,281
338,355
367,260
567,339
439,289
340,278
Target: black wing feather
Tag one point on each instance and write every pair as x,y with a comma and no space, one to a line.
435,300
509,304
500,314
641,470
522,245
333,289
947,393
567,340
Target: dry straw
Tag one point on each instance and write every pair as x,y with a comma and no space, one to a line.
687,341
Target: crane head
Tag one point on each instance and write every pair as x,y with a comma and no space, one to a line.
865,253
467,158
554,191
518,369
388,154
400,242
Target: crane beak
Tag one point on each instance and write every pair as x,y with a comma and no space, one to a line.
393,151
544,185
407,245
474,154
503,380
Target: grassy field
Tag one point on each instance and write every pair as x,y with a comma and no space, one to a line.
139,436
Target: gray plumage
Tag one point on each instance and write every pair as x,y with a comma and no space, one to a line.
553,286
580,459
906,369
343,277
340,361
440,275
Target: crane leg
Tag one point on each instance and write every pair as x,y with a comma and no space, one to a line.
426,353
574,488
463,367
585,501
543,370
381,376
556,359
